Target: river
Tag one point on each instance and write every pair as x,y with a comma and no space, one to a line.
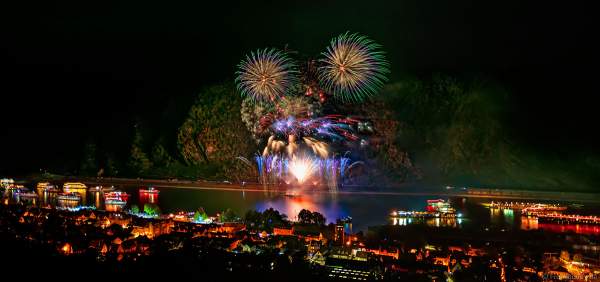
366,209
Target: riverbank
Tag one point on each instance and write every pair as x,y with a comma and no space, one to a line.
404,189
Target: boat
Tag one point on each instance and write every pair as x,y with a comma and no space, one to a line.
68,196
527,207
16,188
440,206
435,209
149,190
46,187
73,186
115,202
420,214
116,198
26,194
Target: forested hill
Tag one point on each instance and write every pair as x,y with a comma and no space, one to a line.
440,130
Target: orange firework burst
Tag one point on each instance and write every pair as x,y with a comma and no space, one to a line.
265,75
353,67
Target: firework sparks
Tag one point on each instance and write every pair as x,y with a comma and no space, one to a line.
353,67
302,168
329,127
265,75
319,148
284,106
274,168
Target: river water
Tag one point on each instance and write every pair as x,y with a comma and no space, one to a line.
366,209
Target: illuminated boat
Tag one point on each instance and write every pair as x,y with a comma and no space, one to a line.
434,209
526,207
73,186
26,194
68,197
6,182
116,198
149,190
15,188
420,214
46,187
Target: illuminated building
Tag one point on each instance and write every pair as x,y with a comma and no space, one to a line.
153,228
384,252
347,222
226,230
348,254
67,249
339,234
283,231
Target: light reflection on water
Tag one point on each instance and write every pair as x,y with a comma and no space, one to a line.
365,209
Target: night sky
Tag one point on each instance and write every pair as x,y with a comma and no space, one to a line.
88,68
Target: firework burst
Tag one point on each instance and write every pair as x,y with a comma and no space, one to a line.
287,108
265,75
302,168
331,127
353,67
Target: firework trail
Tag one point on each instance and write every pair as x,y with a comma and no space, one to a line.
332,127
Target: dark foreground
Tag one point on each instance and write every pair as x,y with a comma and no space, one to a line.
52,244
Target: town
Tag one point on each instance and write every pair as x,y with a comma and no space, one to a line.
270,246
